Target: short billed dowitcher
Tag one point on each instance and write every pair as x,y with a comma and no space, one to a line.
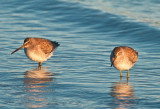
38,49
123,58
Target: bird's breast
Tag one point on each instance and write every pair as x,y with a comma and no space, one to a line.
36,54
122,64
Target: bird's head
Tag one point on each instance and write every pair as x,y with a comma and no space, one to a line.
26,44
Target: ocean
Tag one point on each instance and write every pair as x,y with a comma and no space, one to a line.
78,75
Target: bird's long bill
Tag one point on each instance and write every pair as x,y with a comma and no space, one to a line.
113,60
18,49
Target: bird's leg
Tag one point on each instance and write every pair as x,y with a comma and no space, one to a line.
39,65
128,74
120,79
127,80
120,73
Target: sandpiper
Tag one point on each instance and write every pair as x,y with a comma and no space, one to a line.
123,58
38,49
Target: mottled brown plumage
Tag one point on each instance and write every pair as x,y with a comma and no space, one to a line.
38,49
123,58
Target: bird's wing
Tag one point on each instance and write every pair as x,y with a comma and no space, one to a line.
132,54
46,46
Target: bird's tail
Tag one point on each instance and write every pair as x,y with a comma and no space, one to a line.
56,44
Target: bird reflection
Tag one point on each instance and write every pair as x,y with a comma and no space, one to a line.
123,93
37,84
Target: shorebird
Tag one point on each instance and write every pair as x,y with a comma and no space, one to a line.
123,58
38,49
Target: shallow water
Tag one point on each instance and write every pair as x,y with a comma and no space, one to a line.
79,74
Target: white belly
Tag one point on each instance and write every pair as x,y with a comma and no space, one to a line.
123,65
37,55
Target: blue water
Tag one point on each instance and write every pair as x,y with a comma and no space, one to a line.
79,75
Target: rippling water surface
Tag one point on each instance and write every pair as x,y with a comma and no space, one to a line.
79,75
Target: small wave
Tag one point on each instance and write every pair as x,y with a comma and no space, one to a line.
136,11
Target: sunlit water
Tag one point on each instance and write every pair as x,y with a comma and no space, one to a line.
79,75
